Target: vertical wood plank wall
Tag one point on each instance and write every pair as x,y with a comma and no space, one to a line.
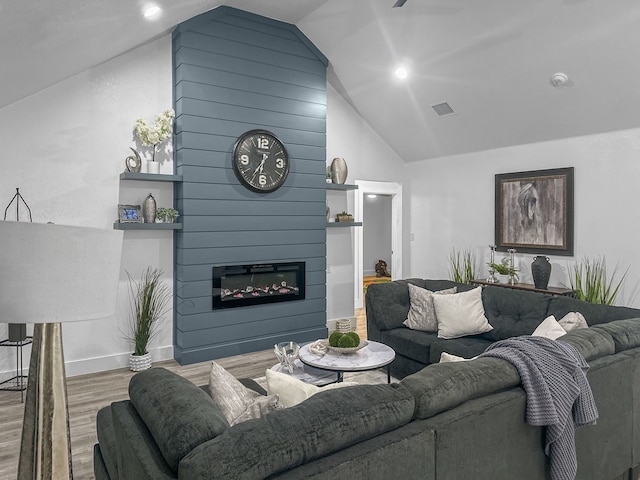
234,72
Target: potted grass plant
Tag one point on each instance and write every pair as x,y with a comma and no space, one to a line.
150,297
591,282
462,266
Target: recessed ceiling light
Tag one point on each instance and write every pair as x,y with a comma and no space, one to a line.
401,72
152,11
372,195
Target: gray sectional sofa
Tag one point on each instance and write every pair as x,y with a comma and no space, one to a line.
511,313
446,421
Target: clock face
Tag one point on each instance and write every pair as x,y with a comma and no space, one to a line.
260,161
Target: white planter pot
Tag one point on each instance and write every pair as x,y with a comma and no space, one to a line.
138,363
153,167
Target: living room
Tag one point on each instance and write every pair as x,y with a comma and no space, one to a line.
67,143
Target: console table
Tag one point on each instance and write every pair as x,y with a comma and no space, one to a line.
565,292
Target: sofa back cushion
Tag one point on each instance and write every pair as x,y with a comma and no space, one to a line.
325,423
442,386
388,303
625,333
593,313
178,414
591,343
512,313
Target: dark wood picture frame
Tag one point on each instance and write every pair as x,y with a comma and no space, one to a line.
534,211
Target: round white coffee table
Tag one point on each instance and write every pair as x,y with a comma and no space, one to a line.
375,355
307,374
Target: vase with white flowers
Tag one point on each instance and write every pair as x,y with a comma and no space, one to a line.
154,135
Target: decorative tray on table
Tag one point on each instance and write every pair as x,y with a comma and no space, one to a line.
342,350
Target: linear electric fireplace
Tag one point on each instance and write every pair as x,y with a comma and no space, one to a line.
243,285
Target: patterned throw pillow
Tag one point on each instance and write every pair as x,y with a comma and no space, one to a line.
237,402
572,321
422,314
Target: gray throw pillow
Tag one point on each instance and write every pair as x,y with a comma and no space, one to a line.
237,402
422,313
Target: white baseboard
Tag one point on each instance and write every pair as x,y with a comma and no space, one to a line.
99,364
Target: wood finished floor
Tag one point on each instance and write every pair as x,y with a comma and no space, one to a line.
89,393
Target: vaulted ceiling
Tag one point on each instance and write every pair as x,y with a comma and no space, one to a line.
491,61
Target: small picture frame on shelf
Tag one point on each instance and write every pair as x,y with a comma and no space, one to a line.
129,214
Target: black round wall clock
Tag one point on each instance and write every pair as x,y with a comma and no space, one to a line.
260,161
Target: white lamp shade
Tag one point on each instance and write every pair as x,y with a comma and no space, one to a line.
58,273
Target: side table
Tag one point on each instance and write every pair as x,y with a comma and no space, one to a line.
566,292
19,382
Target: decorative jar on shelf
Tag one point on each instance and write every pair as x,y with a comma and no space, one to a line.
339,170
149,209
541,271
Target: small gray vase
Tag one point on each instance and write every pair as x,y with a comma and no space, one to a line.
149,209
339,170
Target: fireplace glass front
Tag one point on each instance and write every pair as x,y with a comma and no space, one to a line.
244,285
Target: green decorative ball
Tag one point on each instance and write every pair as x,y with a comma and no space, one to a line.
334,338
355,336
347,341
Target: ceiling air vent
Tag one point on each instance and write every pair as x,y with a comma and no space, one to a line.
443,109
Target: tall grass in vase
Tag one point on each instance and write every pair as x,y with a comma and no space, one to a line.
591,282
462,266
149,300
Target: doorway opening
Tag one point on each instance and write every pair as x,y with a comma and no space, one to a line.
389,222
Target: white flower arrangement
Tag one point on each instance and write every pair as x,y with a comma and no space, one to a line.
152,136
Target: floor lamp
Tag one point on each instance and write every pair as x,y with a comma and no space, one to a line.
53,274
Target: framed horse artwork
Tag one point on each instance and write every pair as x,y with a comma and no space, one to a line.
534,211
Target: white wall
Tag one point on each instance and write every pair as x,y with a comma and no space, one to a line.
368,158
451,203
64,147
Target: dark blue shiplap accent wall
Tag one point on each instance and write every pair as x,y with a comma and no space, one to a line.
234,72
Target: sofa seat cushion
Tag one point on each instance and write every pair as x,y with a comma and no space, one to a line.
413,344
178,414
443,386
625,333
465,347
512,313
325,423
594,313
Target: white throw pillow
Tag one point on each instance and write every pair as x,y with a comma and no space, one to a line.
461,314
573,321
549,328
292,391
448,357
237,402
422,314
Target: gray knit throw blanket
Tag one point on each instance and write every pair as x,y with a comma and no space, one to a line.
553,375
